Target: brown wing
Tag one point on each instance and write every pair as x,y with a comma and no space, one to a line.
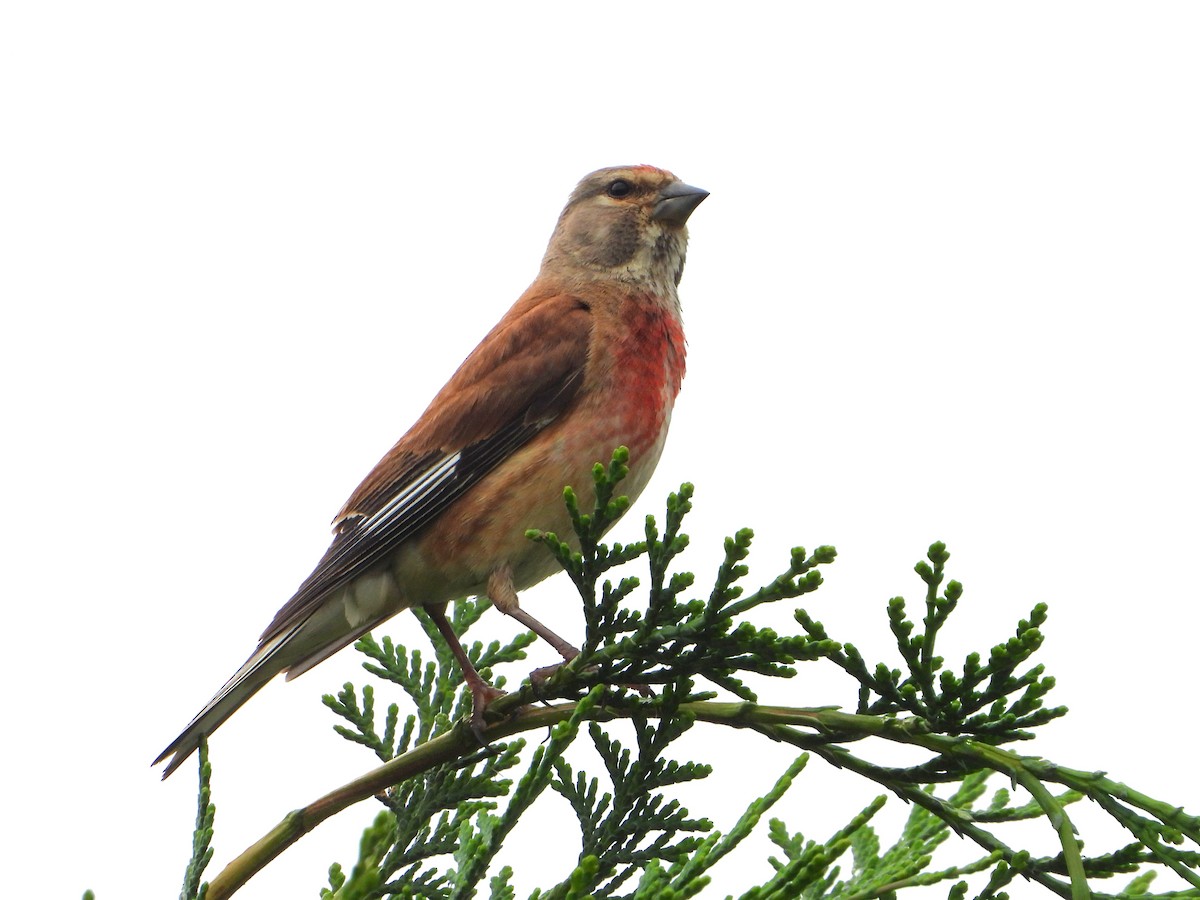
519,379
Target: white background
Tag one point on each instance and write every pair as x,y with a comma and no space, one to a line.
945,288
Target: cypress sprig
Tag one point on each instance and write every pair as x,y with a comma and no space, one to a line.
449,805
480,840
202,835
632,824
674,637
992,701
428,815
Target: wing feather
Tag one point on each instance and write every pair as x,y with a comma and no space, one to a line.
520,378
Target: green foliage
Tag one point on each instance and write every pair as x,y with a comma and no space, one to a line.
202,834
662,664
445,810
988,701
628,828
673,640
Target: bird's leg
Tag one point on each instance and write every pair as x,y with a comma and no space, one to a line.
503,594
504,597
482,693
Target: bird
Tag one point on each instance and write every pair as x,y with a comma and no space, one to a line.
589,358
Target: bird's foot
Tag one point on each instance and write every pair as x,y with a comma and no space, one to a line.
539,677
482,696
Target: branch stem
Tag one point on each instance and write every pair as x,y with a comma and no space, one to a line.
829,728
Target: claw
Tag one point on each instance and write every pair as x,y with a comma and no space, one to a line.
539,677
482,696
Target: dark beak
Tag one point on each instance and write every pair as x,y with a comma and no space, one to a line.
676,202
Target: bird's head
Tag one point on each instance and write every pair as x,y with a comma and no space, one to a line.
627,223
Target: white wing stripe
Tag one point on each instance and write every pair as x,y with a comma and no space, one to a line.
412,494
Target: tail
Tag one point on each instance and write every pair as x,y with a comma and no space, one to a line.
294,650
263,665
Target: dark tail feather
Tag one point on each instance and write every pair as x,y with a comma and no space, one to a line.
246,682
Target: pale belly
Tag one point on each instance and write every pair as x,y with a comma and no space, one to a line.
485,530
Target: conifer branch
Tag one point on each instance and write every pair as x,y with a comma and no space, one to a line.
442,826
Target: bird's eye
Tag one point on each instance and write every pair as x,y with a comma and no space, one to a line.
620,188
